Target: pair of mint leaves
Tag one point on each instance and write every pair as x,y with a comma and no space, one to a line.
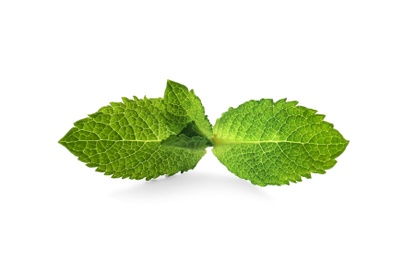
262,141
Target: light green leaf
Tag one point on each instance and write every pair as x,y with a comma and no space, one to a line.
186,107
261,141
135,139
275,143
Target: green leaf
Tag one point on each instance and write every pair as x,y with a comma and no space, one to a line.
135,139
261,141
186,107
275,143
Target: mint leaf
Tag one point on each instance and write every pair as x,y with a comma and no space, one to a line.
135,139
186,107
275,143
261,141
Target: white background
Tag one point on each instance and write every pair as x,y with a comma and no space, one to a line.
61,60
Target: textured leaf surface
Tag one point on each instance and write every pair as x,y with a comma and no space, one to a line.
275,143
135,139
185,105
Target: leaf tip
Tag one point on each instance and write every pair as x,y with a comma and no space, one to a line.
62,141
170,83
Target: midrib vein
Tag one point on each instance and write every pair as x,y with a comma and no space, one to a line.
218,142
222,142
124,140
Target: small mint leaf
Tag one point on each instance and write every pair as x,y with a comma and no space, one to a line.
186,107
